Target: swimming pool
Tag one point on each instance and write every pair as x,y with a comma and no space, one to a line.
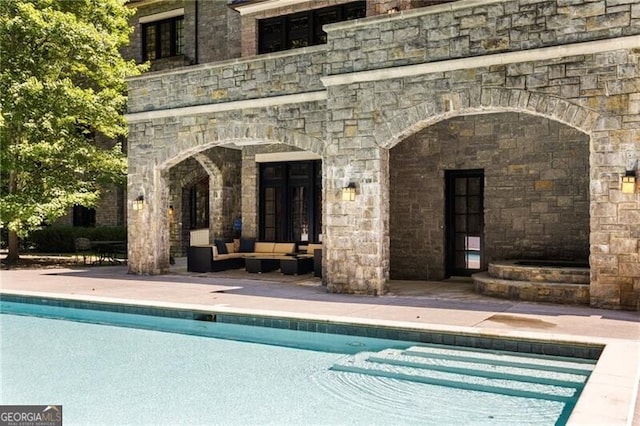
205,371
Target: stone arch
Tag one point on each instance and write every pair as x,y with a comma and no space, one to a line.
215,186
246,133
180,219
401,124
407,121
218,133
193,175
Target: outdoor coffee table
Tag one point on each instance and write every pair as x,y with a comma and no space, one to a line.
257,264
293,265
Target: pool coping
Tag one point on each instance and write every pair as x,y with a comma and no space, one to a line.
608,397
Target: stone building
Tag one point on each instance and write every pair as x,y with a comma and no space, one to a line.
473,131
111,208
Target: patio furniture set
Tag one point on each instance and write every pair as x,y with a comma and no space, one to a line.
110,252
254,256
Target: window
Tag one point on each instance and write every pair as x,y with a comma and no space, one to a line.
304,29
83,216
163,39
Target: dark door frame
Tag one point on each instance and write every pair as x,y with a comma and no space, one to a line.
452,234
283,184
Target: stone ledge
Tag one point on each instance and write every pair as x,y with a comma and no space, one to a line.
484,61
574,294
547,271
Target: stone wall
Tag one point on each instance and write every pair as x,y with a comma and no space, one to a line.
110,211
222,167
382,7
160,142
269,75
111,208
217,33
536,193
455,30
382,80
593,90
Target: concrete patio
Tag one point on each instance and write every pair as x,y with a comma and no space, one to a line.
610,396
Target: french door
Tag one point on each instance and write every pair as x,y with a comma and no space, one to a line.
464,222
290,201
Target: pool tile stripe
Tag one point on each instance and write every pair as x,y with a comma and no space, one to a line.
585,351
591,352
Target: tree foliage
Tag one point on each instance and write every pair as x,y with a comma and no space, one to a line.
62,90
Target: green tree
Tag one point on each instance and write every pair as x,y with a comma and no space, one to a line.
62,87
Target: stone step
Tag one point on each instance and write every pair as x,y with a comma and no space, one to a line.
480,368
558,380
549,363
541,271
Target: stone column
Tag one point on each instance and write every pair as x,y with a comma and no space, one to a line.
249,196
615,220
355,233
148,225
217,223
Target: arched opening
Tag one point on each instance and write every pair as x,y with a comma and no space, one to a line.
204,194
228,152
531,186
267,191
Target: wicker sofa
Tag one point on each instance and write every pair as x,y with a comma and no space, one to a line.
202,256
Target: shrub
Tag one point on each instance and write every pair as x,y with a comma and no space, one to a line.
61,238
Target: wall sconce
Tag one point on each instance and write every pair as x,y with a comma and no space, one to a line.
629,182
349,192
171,210
138,203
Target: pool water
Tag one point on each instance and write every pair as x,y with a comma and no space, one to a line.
212,373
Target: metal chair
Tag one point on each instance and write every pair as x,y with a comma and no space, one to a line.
83,248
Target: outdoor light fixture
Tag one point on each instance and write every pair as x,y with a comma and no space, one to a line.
171,209
349,192
138,203
629,182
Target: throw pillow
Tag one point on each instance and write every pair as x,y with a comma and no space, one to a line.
247,245
221,246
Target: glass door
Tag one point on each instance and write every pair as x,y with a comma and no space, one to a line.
464,221
272,226
290,201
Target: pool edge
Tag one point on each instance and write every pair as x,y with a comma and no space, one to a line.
608,398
